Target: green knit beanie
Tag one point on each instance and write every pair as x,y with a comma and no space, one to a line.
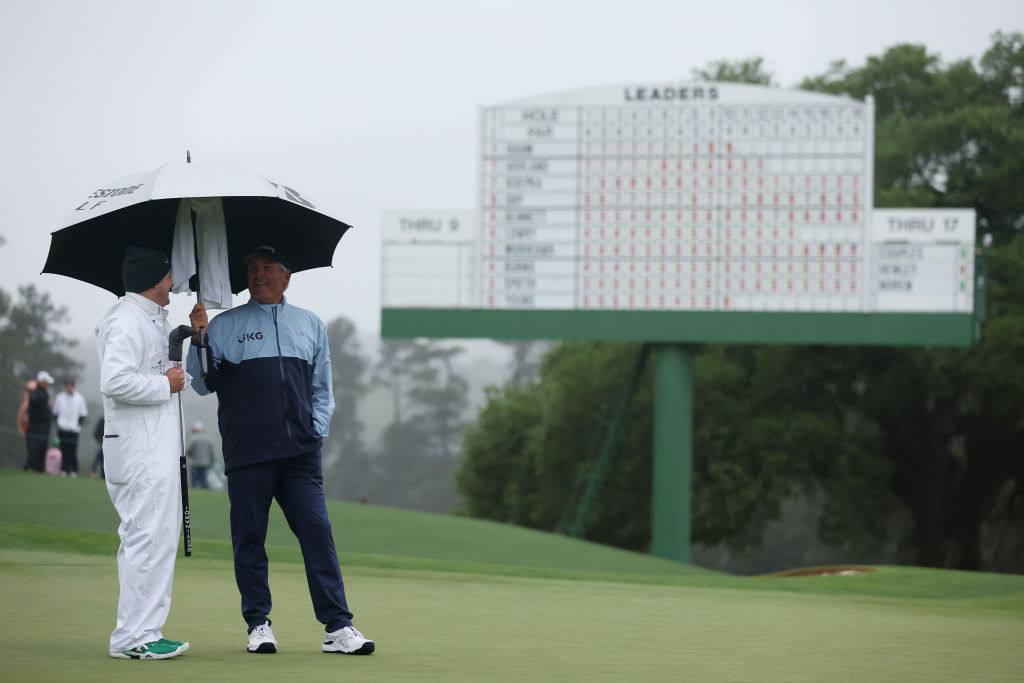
143,268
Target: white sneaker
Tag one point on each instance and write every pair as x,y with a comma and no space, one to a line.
347,641
261,639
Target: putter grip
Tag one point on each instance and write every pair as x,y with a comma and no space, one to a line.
186,522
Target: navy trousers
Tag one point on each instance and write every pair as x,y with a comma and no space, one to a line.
297,485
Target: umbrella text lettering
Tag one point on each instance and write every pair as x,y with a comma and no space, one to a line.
293,195
103,193
113,192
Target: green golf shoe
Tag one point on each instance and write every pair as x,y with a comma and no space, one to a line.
158,649
175,643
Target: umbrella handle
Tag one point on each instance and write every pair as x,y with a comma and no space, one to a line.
201,347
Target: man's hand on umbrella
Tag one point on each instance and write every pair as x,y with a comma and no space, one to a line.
198,319
176,377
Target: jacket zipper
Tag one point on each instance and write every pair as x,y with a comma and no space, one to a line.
280,367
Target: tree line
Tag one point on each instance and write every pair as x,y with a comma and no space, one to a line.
413,463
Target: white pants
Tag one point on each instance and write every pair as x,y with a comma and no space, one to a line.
143,479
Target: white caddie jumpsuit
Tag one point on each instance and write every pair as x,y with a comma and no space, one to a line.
141,452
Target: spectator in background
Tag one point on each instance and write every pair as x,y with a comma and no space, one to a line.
200,457
23,408
37,427
70,411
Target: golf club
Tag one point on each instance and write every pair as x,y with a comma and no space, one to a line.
175,341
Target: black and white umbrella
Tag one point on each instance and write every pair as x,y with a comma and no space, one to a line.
205,216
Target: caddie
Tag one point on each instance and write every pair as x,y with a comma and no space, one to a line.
141,447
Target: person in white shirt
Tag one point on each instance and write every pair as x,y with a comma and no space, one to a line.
70,411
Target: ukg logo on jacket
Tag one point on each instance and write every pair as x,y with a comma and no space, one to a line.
250,336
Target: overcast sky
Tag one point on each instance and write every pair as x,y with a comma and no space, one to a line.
364,106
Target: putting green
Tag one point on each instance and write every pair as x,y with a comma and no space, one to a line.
455,599
452,626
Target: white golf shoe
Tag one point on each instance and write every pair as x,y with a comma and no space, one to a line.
347,641
261,640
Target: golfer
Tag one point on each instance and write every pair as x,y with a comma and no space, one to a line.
270,365
141,446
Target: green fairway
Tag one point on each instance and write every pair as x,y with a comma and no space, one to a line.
495,603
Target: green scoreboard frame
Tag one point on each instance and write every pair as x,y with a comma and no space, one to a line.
689,327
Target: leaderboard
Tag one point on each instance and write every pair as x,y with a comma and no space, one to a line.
702,196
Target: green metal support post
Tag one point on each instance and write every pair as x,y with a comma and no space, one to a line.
672,464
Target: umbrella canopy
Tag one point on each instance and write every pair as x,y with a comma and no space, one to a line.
146,209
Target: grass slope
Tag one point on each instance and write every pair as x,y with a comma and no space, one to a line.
82,504
495,603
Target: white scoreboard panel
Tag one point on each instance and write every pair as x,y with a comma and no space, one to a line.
428,259
922,260
709,196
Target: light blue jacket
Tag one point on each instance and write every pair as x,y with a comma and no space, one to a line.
270,365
